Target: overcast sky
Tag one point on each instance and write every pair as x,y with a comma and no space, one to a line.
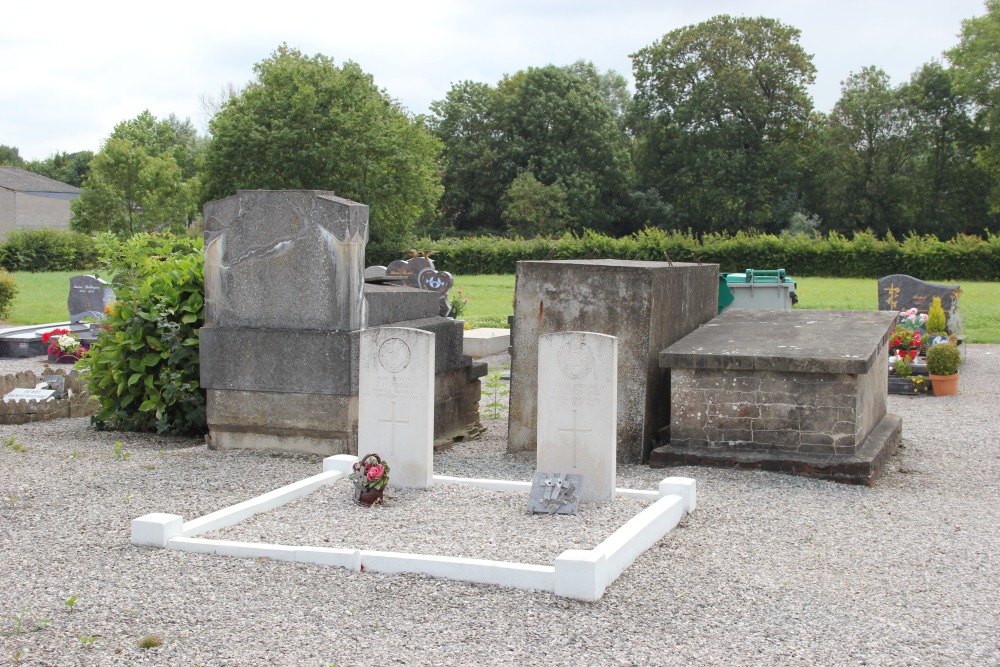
72,71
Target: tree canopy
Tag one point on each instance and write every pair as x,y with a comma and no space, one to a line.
304,123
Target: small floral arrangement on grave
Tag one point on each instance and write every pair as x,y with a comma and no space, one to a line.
371,474
912,319
904,338
63,344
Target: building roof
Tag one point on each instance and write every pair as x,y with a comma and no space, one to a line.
21,180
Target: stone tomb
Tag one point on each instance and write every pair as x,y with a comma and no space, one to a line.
285,306
645,305
802,391
578,409
396,402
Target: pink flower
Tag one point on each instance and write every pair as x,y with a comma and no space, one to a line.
465,301
374,472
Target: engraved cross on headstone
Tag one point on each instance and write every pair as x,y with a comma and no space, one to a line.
574,430
392,421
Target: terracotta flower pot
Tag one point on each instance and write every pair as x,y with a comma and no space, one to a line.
945,385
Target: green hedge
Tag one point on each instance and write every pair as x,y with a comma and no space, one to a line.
861,256
47,250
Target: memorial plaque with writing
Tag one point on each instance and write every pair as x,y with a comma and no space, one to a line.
88,296
396,402
555,493
578,409
29,395
901,292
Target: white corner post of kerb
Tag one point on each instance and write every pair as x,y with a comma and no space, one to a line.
684,487
340,463
156,529
580,574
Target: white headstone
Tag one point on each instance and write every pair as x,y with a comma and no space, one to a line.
578,409
396,402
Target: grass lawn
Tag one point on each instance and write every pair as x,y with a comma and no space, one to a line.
42,298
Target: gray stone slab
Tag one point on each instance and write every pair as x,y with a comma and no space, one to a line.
388,304
901,292
285,260
808,341
88,296
279,360
555,493
646,305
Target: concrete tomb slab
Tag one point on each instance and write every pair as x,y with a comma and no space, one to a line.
578,409
646,305
396,402
801,391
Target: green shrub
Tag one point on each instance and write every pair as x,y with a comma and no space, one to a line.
144,368
943,359
936,322
8,291
47,250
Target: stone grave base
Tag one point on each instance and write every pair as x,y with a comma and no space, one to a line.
862,467
77,403
326,425
579,574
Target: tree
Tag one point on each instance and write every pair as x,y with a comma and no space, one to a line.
304,123
948,193
977,72
532,209
719,110
129,191
549,122
10,156
870,132
71,168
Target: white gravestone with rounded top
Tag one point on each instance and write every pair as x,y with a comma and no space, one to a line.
578,409
396,402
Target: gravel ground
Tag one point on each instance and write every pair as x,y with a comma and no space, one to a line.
770,570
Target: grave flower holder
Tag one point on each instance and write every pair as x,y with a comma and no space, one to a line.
371,474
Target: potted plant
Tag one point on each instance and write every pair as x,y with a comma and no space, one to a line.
371,474
937,324
943,361
905,341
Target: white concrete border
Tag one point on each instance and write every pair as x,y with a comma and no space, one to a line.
579,574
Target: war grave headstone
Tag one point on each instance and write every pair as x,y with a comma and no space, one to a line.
901,292
578,409
799,391
286,303
646,305
396,402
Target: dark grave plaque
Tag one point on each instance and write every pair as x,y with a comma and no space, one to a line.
555,493
88,296
901,292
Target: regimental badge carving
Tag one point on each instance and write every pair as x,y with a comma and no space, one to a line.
394,355
576,360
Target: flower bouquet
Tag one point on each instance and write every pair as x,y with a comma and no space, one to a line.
905,340
64,347
371,474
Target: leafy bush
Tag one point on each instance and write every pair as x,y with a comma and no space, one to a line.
943,359
144,368
47,250
8,290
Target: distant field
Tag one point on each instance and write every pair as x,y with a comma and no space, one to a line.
491,301
42,298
